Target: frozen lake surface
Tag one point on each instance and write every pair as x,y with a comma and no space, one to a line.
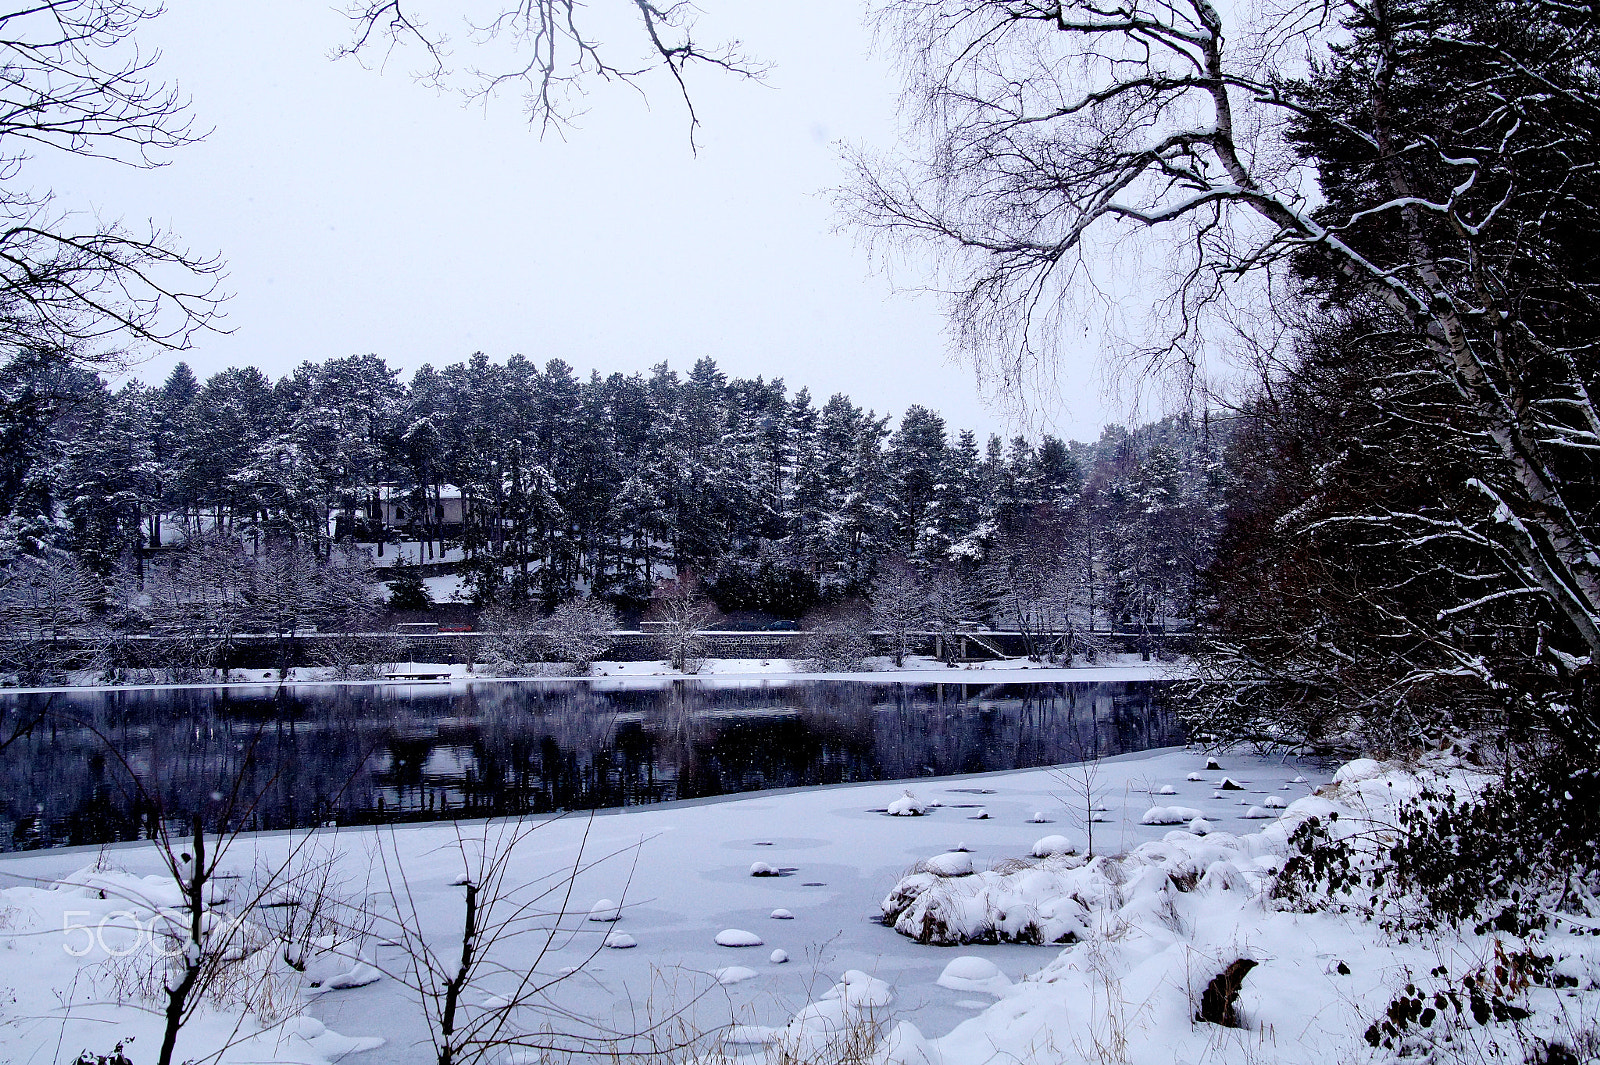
680,877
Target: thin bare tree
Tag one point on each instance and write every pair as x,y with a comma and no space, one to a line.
78,84
899,606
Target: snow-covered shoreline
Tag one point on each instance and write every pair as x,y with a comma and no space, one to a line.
918,669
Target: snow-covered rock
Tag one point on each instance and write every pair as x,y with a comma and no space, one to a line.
763,869
778,957
734,974
1167,789
737,937
605,910
1256,813
781,914
1022,905
621,941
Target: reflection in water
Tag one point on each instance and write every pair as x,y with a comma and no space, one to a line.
355,755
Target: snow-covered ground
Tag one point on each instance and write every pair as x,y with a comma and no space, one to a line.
710,895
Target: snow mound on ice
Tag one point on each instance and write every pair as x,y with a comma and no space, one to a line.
1169,815
737,937
861,990
907,805
1256,813
763,869
815,1033
735,974
951,863
621,941
781,914
778,957
1167,789
970,973
1050,846
749,1034
605,910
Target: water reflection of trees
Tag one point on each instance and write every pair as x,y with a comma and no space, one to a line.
366,754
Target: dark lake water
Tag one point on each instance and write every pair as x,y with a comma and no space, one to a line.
103,766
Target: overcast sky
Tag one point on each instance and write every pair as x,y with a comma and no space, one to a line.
361,212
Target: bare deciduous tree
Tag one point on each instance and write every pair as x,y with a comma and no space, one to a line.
489,992
1056,129
552,52
952,600
49,609
838,639
681,611
899,606
77,83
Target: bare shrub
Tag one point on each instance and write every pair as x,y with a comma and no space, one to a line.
577,632
838,639
681,612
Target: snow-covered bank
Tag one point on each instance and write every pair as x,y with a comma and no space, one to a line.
768,908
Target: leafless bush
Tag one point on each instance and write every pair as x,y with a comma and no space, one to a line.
515,641
578,631
838,640
681,611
